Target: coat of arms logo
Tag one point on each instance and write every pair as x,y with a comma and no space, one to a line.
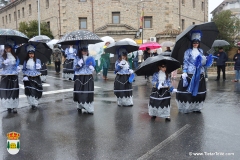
13,142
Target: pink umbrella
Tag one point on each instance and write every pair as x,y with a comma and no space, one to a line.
151,45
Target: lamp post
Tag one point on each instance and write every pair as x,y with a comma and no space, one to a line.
39,31
142,19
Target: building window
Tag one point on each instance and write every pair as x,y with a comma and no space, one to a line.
147,22
183,24
6,20
3,21
47,3
15,16
115,17
82,23
48,25
82,0
30,9
9,16
203,6
183,2
19,14
193,3
193,23
23,12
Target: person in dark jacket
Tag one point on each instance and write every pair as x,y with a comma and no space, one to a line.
146,54
221,63
236,58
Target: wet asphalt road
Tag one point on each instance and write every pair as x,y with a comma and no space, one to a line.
57,131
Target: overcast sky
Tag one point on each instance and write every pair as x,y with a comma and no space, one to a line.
212,4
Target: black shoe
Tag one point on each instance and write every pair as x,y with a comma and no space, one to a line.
197,111
224,79
79,110
91,113
168,119
154,117
14,110
216,79
9,110
34,107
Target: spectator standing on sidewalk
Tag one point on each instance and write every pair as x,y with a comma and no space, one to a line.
135,59
57,56
236,58
146,54
221,63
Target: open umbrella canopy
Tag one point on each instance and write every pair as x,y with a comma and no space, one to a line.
151,45
220,43
150,65
183,41
75,37
167,44
16,36
127,45
52,42
128,39
40,38
42,52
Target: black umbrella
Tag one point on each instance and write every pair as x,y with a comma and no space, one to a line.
150,65
17,36
42,52
75,37
127,45
183,40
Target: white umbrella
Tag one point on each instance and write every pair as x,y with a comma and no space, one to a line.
40,38
107,39
220,43
128,39
167,44
52,42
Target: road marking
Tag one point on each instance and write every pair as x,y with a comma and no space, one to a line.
165,142
56,91
44,85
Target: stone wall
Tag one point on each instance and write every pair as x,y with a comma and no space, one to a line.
99,14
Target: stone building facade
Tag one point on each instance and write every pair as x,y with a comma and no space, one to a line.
116,18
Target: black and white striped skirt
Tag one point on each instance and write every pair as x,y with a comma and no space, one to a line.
186,101
9,91
159,103
83,92
33,90
123,90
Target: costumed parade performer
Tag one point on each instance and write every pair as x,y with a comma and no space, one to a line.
159,103
31,77
9,86
191,91
83,92
123,82
68,71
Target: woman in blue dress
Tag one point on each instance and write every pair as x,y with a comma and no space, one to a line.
83,92
9,86
68,71
192,86
31,77
122,86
